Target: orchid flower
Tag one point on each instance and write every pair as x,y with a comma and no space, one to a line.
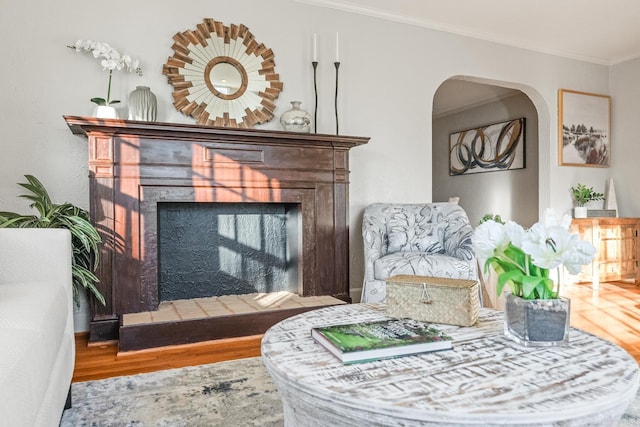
111,60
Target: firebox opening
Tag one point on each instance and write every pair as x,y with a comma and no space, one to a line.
215,249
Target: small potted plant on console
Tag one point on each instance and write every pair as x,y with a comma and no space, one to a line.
583,195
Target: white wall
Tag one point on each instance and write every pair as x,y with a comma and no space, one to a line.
389,74
625,151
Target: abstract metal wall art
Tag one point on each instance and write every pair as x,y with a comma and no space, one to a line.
495,147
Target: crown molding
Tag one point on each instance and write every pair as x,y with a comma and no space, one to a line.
345,6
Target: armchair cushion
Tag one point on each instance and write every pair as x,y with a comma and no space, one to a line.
412,230
422,264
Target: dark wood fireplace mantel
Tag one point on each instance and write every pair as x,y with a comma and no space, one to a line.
135,165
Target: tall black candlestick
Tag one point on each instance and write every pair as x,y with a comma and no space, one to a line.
337,64
315,89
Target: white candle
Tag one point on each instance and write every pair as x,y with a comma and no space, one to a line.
315,47
337,48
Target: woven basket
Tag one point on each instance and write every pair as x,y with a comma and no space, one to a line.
433,299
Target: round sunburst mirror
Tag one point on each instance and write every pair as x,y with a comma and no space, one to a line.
222,76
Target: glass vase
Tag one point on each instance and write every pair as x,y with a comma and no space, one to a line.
296,119
537,323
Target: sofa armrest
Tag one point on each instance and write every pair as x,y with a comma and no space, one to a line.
36,254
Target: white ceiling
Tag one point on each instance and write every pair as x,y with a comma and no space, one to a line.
599,31
454,96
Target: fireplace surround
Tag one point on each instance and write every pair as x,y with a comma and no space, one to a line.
136,166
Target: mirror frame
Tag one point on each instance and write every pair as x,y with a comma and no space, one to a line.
197,51
244,78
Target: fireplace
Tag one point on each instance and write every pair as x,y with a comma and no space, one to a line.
217,249
141,174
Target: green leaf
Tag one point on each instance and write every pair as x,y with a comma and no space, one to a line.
84,237
546,290
502,266
529,284
115,101
513,277
99,101
516,254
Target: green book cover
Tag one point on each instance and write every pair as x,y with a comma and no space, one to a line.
360,342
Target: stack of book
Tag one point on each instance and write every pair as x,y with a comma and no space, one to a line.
361,342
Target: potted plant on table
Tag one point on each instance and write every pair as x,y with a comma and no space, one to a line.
84,236
535,313
583,195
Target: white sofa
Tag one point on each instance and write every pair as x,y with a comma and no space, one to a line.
36,326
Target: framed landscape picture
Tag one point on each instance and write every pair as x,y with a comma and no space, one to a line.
495,147
584,129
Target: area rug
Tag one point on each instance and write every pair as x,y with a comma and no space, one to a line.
234,393
238,393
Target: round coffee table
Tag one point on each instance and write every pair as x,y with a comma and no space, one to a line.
485,380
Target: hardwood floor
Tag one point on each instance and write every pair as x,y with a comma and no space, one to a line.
612,312
95,362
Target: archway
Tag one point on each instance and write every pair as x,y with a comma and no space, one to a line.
461,103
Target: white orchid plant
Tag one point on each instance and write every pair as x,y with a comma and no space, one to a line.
523,257
111,60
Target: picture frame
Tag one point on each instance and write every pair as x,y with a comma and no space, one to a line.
495,147
584,129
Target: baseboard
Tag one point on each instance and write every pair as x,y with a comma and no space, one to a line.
355,294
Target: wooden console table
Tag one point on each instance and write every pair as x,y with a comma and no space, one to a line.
486,380
618,245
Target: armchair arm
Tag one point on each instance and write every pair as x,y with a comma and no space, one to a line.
374,235
458,235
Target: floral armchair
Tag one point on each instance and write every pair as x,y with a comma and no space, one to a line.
430,239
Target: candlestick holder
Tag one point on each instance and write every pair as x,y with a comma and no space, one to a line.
315,90
337,65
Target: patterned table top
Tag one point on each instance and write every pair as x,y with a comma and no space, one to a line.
485,377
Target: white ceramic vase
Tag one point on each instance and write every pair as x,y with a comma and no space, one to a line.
106,112
143,104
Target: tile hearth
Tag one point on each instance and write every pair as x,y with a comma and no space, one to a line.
201,308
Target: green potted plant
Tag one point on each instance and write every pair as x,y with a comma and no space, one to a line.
535,313
493,217
84,236
583,195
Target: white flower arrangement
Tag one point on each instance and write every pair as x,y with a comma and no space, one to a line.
522,258
111,60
